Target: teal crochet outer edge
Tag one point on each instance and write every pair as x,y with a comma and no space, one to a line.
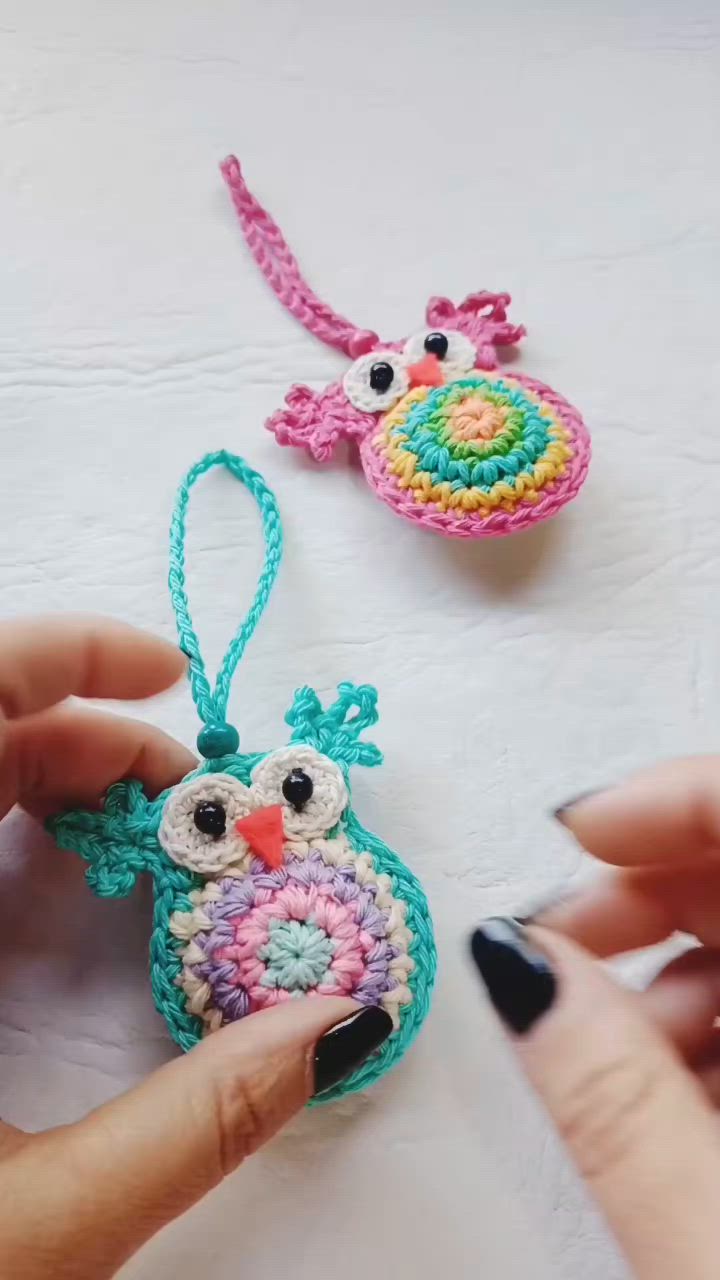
121,842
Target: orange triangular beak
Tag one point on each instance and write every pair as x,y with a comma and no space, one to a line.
427,372
263,831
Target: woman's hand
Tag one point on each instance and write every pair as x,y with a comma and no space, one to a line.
78,1201
631,1080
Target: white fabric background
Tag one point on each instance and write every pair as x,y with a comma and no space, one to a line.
568,154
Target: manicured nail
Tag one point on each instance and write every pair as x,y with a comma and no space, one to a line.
346,1046
518,977
537,909
563,810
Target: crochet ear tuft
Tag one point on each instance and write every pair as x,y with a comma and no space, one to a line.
336,730
482,317
118,842
316,420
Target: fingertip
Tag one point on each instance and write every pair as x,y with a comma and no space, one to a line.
667,814
44,660
161,762
346,1045
117,659
518,976
292,1022
335,1033
592,816
564,812
150,662
68,757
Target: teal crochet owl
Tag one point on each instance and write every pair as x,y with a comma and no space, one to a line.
266,885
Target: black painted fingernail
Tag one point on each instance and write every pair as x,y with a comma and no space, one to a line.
563,810
518,977
346,1046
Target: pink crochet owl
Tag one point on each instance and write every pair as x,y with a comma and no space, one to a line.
445,438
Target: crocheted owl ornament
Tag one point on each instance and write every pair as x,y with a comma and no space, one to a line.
266,885
446,438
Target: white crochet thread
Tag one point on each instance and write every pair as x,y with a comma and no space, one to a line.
461,355
329,796
356,382
191,848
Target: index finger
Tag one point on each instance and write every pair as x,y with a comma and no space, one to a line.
47,659
663,817
661,828
630,909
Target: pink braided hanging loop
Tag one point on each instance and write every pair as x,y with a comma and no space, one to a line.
278,265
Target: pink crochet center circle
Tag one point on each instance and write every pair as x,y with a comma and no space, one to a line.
471,524
313,904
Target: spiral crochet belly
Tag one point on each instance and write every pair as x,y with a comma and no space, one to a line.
324,923
480,455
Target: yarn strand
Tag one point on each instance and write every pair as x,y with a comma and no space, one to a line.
212,703
279,266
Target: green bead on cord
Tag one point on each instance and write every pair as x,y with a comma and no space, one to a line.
216,740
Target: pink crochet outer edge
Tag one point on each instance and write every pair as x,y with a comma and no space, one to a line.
553,497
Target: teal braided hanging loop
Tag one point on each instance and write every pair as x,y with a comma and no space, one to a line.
267,887
217,738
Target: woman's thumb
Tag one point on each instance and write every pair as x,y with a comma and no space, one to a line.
635,1120
78,1201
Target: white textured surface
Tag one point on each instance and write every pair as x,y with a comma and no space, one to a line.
568,154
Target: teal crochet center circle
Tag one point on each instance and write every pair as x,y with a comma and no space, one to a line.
297,956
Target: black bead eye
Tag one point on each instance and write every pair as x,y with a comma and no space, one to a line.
381,376
297,789
436,344
210,819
